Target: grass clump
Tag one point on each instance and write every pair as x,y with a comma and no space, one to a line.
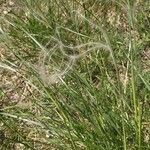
75,75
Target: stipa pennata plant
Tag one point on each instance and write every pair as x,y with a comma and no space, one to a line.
83,85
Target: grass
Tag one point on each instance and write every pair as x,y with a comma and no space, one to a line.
75,75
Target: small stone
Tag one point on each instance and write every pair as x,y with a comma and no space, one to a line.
5,12
11,3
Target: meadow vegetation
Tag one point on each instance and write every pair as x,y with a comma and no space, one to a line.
75,75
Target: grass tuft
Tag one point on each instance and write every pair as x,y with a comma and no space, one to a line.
74,75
